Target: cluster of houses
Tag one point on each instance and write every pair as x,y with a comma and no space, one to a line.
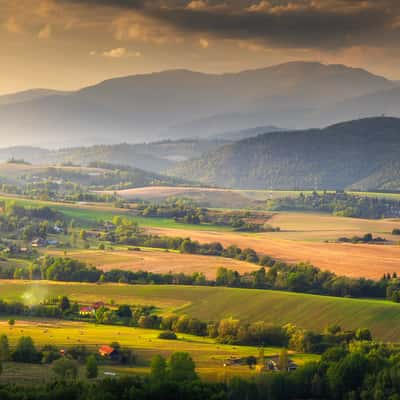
40,242
88,311
268,365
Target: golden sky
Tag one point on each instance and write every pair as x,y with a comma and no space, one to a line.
68,44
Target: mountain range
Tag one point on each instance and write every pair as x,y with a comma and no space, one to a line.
180,104
361,154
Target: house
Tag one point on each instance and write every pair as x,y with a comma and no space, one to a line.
292,366
273,365
86,311
98,305
108,352
39,242
58,229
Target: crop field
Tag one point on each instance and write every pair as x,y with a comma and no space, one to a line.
304,237
157,261
210,197
214,303
208,355
224,197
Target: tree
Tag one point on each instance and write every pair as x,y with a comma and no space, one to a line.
347,374
158,368
26,351
228,328
188,246
283,360
181,367
83,234
251,361
124,311
11,322
65,304
65,368
92,369
363,334
4,348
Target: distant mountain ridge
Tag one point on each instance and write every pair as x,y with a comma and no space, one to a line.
361,154
180,103
28,95
246,133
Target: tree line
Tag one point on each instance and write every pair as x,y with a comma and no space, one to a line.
301,278
339,203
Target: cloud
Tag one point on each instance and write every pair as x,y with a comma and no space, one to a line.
11,25
204,43
322,24
197,5
136,27
119,52
45,32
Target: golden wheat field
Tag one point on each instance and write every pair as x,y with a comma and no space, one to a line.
304,237
157,261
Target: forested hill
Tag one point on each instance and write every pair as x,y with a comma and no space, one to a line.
362,154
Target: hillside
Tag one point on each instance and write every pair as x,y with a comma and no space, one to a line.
156,156
181,103
214,303
98,177
241,134
361,154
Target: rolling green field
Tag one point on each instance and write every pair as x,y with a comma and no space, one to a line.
212,303
208,355
88,214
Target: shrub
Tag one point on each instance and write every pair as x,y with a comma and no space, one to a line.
92,369
168,335
65,368
26,351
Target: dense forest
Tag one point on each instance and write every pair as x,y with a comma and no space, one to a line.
360,154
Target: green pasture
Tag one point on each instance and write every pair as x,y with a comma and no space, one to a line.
213,303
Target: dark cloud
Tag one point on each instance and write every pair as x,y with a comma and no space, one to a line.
277,23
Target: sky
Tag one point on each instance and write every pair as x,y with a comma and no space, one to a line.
68,44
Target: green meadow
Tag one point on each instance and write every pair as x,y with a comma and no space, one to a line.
89,214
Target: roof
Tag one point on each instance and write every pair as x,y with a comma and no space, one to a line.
106,350
98,304
86,309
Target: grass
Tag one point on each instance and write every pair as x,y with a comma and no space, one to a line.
213,303
208,355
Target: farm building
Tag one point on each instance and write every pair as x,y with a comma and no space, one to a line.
108,352
39,242
98,305
86,310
